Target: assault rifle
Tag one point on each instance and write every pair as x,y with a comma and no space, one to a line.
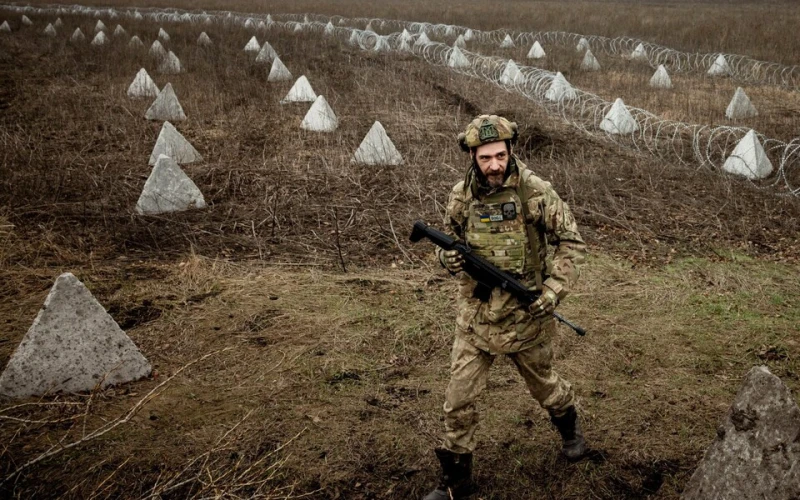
484,272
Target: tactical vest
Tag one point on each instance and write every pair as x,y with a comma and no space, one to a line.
495,228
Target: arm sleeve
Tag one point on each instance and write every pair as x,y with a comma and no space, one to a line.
454,216
563,235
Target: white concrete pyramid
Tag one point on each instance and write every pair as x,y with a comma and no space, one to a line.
59,23
405,36
583,44
262,26
536,52
166,106
73,345
460,42
267,54
423,39
404,46
252,46
50,30
204,41
507,43
661,79
278,72
589,62
740,106
172,143
269,19
329,29
168,189
170,65
353,40
99,39
26,21
77,35
249,24
720,67
449,31
320,117
749,159
619,120
457,59
157,50
511,74
142,86
135,43
301,91
560,89
639,53
119,31
99,26
381,44
163,35
469,34
5,27
298,28
377,148
369,27
137,16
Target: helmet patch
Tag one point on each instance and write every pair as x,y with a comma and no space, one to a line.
488,132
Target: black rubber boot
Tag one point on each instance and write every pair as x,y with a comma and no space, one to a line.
456,480
569,426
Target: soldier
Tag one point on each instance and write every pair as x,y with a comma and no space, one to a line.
507,215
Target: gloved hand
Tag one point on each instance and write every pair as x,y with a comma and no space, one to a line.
545,304
452,260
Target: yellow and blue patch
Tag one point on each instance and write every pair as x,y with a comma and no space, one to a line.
491,218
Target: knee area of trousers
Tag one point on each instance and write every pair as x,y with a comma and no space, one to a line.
462,419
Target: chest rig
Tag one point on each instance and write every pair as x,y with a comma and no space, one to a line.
499,228
495,230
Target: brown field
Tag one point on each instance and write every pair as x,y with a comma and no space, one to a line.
300,342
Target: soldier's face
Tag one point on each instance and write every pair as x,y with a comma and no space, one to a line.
492,159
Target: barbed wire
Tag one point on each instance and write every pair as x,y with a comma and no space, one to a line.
740,67
705,146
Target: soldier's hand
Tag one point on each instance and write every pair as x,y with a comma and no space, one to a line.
545,305
452,260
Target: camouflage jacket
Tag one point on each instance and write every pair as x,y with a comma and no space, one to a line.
501,324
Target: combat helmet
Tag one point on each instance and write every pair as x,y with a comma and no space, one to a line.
485,129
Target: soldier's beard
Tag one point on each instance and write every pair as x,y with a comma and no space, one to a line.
496,180
493,180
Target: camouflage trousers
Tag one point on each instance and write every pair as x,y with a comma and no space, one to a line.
469,371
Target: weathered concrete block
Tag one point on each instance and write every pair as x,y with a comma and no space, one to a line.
166,106
172,143
756,454
168,189
377,148
73,345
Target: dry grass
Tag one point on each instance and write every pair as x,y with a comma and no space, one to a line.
278,194
332,387
333,382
